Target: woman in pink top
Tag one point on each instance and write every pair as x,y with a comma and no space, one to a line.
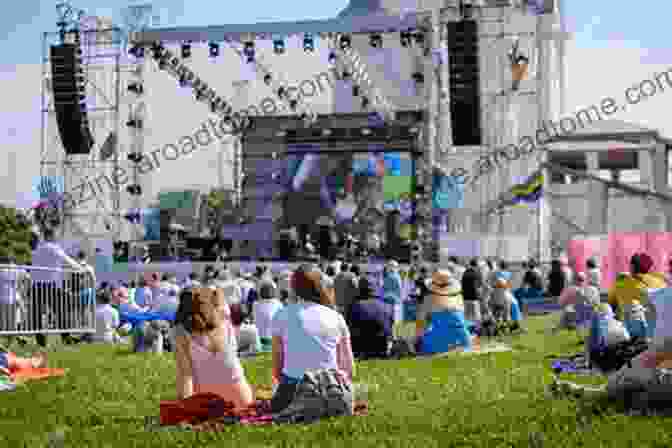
206,349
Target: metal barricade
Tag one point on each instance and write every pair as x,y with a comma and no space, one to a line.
39,300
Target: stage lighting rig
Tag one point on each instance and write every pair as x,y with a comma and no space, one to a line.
355,90
214,49
134,190
134,123
308,43
183,81
136,87
376,40
249,52
157,50
268,79
186,50
345,42
278,46
405,38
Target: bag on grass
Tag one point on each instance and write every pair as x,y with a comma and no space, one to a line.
321,393
402,348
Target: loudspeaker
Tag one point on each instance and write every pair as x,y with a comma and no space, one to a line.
464,84
67,80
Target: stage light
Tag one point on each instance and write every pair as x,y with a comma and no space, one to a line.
345,75
332,58
419,38
186,50
405,39
376,40
135,157
137,50
365,102
183,81
280,134
326,132
418,77
308,43
355,90
278,46
248,51
268,79
281,92
214,49
136,87
345,42
157,50
134,123
413,130
134,190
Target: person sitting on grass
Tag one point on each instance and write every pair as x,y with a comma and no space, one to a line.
440,325
370,323
263,312
633,287
11,364
308,335
579,294
206,349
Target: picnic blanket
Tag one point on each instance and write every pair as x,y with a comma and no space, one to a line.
137,317
36,373
208,412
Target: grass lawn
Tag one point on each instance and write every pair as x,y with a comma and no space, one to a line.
493,400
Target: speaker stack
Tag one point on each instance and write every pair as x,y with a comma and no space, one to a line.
67,79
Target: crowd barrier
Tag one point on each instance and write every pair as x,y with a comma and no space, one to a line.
39,300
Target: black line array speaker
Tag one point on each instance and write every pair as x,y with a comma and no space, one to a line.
465,98
67,79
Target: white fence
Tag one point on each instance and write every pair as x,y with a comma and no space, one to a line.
38,300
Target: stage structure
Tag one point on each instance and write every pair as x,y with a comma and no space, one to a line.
488,74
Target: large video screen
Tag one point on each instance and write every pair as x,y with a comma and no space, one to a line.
354,191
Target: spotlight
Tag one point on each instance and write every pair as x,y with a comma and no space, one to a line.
308,43
281,92
186,50
345,42
183,80
418,77
268,79
355,90
248,51
136,87
345,75
134,123
278,46
376,40
365,102
214,49
419,38
135,157
157,50
332,58
134,190
405,39
137,50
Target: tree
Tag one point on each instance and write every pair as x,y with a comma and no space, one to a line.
15,235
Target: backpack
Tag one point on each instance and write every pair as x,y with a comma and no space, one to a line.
321,393
402,348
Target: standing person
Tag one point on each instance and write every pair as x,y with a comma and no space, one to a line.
532,286
472,291
594,274
107,320
557,280
392,288
11,297
48,295
346,288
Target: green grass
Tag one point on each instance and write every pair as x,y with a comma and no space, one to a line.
494,400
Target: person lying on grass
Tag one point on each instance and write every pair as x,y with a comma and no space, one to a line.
308,335
10,364
206,349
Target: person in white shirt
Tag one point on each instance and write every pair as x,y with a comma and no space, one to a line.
47,294
263,312
107,321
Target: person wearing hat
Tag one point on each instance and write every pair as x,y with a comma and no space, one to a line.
370,323
440,325
263,312
308,335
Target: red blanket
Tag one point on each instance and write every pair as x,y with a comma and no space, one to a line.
208,412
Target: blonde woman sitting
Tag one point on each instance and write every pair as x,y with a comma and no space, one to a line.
206,349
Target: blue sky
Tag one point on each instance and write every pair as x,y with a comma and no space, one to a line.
596,22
